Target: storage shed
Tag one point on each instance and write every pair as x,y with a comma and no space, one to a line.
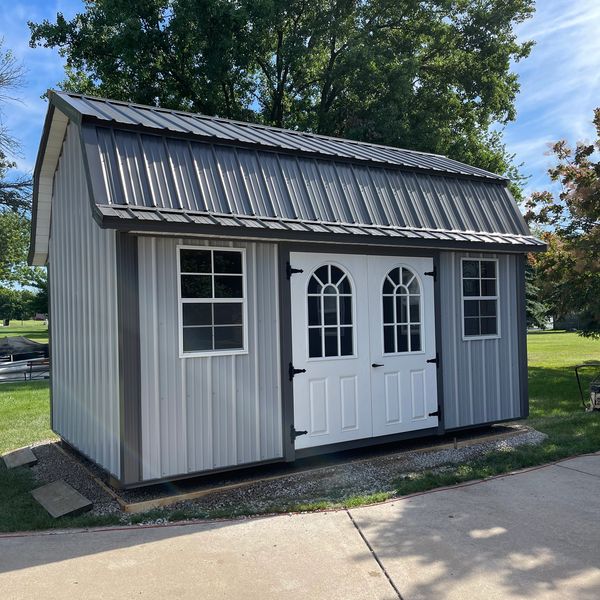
226,294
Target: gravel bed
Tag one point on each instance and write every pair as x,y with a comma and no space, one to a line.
332,483
53,465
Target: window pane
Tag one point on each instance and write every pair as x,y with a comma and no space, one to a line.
413,288
388,309
471,287
402,333
407,276
388,287
314,343
471,308
314,310
228,338
345,310
488,268
197,338
388,339
346,341
330,310
197,314
314,287
414,309
487,308
228,286
488,287
195,261
470,268
330,290
323,273
227,262
488,326
196,286
228,314
344,286
394,275
331,341
471,326
336,274
415,338
401,309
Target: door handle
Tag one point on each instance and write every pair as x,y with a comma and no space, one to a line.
375,365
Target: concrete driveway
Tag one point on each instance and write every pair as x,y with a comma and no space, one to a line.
534,534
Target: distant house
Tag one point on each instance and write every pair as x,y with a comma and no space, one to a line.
226,294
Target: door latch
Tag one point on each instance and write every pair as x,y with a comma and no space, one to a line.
375,365
292,372
436,360
431,273
289,270
294,434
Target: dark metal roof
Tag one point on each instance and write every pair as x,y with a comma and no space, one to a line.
141,170
112,112
157,170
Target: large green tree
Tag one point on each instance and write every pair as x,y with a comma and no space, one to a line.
431,75
568,274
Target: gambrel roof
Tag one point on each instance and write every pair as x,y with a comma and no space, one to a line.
151,169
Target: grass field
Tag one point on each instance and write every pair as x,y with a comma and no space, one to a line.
34,330
555,409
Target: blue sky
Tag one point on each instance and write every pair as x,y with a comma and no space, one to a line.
560,81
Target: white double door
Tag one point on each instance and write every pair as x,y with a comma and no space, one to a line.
363,330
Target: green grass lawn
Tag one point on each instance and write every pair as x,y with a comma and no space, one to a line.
34,330
555,409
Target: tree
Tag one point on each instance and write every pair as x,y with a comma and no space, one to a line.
431,75
570,270
537,311
15,304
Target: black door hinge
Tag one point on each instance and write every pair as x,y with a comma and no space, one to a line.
437,413
431,273
289,270
436,360
294,434
292,371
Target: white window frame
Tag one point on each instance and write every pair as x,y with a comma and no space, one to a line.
353,325
421,323
181,301
497,335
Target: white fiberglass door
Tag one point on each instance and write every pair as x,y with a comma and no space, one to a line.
330,333
402,339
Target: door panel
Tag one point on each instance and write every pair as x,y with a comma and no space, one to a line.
332,398
404,388
363,328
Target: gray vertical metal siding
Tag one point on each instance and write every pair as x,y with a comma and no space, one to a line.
84,317
205,413
481,377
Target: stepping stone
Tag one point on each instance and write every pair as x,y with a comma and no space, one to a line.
19,458
60,499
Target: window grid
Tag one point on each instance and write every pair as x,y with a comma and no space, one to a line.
483,315
401,291
213,300
323,326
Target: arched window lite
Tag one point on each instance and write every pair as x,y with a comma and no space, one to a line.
401,312
330,313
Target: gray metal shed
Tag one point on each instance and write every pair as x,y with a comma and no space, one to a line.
226,294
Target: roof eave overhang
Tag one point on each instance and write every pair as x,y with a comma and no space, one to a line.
53,133
278,235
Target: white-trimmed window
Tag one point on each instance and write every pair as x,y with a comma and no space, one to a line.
480,297
330,329
401,296
212,300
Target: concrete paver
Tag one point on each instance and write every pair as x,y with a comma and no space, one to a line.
301,556
531,535
59,499
23,457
